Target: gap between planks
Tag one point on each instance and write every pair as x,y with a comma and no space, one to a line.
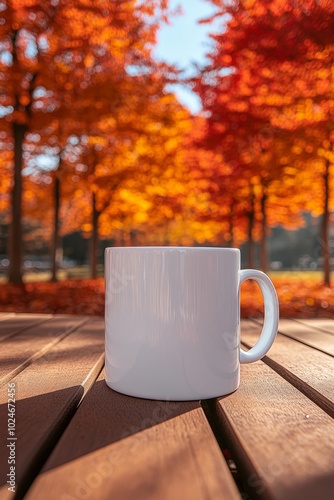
306,334
5,324
43,350
138,448
323,324
48,394
315,396
307,369
281,441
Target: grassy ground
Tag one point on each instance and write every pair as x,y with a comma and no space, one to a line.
79,272
298,274
83,272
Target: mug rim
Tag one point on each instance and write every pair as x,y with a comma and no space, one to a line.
173,248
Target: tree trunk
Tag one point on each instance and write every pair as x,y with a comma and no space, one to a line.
56,247
95,238
231,226
133,237
263,243
251,220
166,234
15,243
325,229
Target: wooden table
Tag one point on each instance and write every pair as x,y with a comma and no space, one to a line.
74,438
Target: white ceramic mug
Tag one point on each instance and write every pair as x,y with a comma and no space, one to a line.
173,321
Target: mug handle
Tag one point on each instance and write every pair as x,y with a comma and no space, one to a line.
271,315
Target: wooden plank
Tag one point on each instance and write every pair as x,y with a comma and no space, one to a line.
26,346
6,315
48,393
324,324
303,332
282,443
310,370
20,323
124,448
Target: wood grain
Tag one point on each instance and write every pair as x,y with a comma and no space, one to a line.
17,323
324,324
102,444
118,417
6,315
26,346
306,334
307,369
282,442
121,447
48,392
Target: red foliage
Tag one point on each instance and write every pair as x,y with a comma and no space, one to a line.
299,298
65,297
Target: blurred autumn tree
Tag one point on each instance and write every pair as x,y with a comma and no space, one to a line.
121,159
62,59
106,149
269,97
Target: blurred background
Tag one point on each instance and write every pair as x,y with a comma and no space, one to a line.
206,122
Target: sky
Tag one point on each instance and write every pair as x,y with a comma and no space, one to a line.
183,42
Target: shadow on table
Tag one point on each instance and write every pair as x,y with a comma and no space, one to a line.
107,416
52,430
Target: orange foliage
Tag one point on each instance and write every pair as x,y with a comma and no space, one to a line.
298,298
79,80
268,97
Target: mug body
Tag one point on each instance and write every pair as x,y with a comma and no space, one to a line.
172,321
